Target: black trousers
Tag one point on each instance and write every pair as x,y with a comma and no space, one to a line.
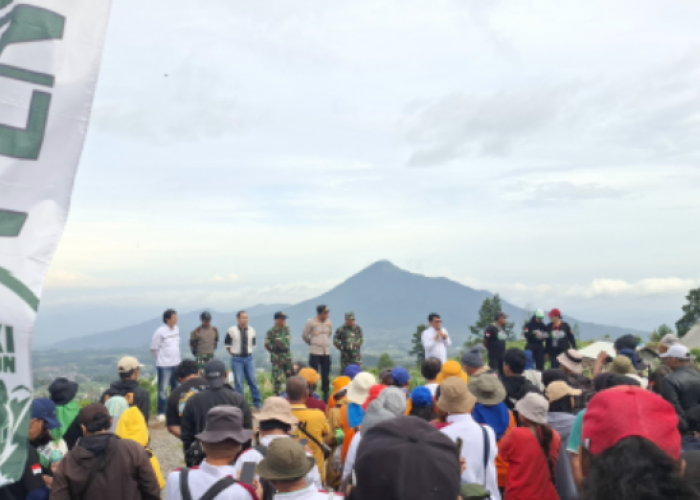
553,361
322,364
496,362
537,355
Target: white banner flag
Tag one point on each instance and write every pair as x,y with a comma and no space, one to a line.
50,52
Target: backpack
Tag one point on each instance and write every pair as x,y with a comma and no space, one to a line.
194,455
211,493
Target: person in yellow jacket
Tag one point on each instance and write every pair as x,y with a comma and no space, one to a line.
132,426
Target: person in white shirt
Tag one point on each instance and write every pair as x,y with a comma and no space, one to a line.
221,440
240,343
430,368
456,400
165,348
436,339
275,421
285,467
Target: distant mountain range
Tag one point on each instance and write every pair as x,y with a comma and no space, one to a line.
389,303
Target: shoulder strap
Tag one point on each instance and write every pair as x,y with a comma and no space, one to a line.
218,487
184,485
487,452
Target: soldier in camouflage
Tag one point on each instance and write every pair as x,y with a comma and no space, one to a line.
277,342
204,340
348,339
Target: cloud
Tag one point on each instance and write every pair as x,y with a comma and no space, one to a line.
231,278
57,278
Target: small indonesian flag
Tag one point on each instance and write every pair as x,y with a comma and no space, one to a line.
36,469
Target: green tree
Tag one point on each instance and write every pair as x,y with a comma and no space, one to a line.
417,348
385,361
487,311
660,333
692,313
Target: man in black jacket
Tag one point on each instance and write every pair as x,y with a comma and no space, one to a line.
128,386
516,385
535,332
681,388
218,393
561,338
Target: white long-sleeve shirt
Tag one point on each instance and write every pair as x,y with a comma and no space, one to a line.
203,478
165,346
435,348
352,453
463,426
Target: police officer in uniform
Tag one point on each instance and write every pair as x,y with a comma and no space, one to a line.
277,342
348,340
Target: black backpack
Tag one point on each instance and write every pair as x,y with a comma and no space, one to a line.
211,493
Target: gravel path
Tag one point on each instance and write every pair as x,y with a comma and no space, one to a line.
167,448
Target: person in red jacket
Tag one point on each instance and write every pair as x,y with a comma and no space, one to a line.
531,452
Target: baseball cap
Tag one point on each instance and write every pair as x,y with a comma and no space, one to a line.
678,351
92,412
533,407
421,396
350,315
285,459
428,467
224,422
310,375
276,408
45,409
128,363
619,413
215,373
400,376
322,309
560,389
539,313
555,312
499,315
358,390
351,371
280,315
205,316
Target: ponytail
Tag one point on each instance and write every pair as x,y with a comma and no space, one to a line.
544,436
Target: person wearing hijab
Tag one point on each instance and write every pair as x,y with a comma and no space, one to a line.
132,426
116,406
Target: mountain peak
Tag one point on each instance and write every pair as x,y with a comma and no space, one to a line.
381,266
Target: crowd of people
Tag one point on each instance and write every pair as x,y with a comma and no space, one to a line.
502,428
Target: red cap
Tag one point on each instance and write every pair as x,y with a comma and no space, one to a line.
619,413
555,312
373,394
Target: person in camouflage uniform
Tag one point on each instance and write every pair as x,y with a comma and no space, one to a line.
277,342
204,340
348,339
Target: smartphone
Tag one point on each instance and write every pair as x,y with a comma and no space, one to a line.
248,472
460,443
303,442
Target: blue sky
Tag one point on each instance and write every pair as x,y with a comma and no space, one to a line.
249,152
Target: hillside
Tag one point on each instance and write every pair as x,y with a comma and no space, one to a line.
389,302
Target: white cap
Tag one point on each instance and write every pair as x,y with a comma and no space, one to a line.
678,351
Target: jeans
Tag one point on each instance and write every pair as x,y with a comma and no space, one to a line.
244,367
166,375
322,365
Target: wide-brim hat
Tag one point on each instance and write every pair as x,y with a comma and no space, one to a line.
285,459
455,396
224,422
276,408
533,407
573,360
489,391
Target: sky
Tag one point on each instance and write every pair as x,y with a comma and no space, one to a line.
262,152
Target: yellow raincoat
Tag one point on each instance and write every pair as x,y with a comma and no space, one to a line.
132,426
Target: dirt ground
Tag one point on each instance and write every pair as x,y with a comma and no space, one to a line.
167,448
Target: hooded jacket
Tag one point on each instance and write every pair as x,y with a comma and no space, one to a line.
516,389
141,399
564,477
132,426
121,470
